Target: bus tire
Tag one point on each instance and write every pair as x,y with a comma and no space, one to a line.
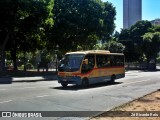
85,83
113,77
64,84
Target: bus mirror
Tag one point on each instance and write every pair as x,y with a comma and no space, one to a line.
85,61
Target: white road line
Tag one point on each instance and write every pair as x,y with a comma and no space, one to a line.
137,81
42,96
31,87
3,89
134,77
5,101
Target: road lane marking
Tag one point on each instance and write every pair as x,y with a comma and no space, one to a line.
30,87
5,101
132,78
3,89
42,96
33,87
137,81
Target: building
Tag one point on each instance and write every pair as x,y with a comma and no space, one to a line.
132,12
156,22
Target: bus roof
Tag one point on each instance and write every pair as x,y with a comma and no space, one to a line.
94,52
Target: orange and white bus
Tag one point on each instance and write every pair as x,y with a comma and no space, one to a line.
90,67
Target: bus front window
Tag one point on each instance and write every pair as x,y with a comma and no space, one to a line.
70,63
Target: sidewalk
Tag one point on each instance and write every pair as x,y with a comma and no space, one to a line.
40,77
36,78
7,77
9,80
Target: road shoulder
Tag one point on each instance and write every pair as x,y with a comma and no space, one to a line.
143,108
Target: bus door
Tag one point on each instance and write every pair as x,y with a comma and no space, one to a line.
88,69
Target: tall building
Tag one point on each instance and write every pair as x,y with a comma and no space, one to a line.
132,12
156,21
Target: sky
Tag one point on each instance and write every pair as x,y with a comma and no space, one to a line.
150,11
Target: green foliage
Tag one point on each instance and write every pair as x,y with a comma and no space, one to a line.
124,35
23,18
25,22
29,66
90,41
139,29
151,45
21,67
98,46
114,46
136,35
31,25
39,15
158,59
133,40
116,35
79,22
108,17
155,28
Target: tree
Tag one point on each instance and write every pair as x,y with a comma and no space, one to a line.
136,35
124,35
78,22
108,17
129,51
154,28
133,40
114,46
7,22
151,45
24,24
38,18
139,29
116,35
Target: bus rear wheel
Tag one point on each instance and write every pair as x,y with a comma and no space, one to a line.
64,84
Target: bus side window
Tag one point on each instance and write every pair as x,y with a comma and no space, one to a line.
91,63
103,61
117,61
108,61
120,60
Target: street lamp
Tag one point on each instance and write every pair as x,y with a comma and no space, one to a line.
56,51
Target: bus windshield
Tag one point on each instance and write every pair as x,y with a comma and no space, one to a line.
70,63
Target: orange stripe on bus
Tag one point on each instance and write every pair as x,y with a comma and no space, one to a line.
85,74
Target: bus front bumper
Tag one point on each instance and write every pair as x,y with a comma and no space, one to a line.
70,80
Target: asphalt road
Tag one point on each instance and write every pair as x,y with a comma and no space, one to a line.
50,96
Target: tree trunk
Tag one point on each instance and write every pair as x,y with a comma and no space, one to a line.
155,64
148,59
14,58
2,66
24,59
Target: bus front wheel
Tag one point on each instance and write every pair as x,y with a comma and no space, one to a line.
85,83
64,84
113,77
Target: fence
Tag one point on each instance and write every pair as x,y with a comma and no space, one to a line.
140,66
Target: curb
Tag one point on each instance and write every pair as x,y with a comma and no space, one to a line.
9,80
6,80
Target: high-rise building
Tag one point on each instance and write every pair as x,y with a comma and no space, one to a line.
132,12
156,21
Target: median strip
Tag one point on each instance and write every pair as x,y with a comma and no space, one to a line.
5,101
